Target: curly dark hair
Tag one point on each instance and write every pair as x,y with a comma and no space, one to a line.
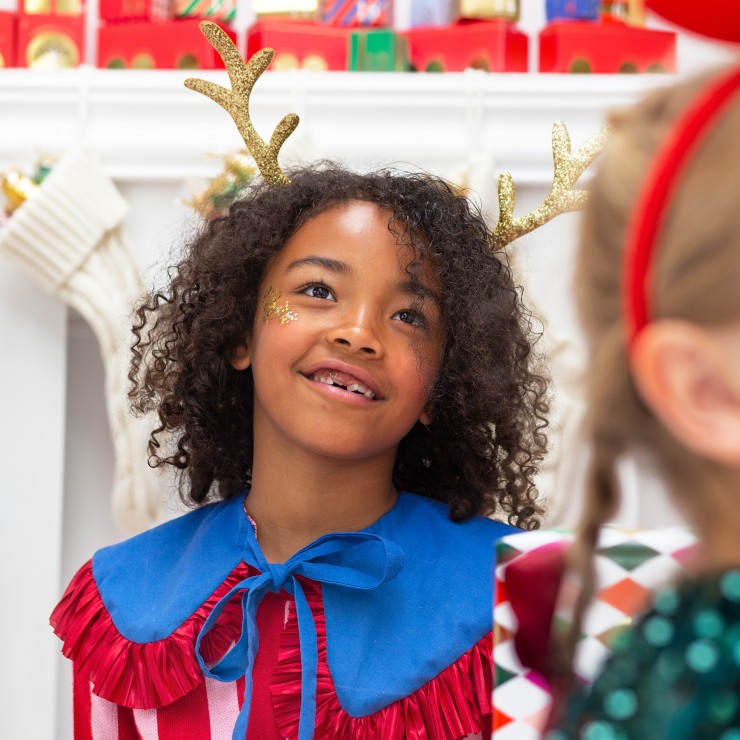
482,451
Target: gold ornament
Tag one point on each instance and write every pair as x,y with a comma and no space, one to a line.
215,200
17,188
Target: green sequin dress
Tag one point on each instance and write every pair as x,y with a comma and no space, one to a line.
675,676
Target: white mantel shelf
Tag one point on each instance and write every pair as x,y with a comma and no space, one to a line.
146,126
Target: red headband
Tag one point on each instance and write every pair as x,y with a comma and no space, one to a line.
662,179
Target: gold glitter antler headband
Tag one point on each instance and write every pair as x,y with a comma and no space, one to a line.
236,101
561,198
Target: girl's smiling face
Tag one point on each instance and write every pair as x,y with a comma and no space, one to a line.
346,347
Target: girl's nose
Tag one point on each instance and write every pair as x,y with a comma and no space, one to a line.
356,333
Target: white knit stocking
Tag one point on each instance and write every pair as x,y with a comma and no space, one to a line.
69,237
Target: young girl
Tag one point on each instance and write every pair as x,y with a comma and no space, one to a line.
341,369
658,287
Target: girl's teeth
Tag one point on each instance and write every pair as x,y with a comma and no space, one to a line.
354,387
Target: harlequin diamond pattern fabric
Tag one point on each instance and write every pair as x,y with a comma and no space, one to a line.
630,566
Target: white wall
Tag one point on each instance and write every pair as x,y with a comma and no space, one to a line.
150,135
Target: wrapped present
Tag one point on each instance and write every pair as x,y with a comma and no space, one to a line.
634,12
50,41
378,51
356,12
508,10
292,8
605,47
494,46
300,44
556,10
114,11
434,12
213,10
8,23
52,7
169,45
535,595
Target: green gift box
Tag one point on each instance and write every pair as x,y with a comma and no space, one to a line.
379,50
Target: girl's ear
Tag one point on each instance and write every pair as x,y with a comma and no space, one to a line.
240,358
426,417
688,375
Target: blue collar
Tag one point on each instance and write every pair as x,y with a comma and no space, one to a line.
403,599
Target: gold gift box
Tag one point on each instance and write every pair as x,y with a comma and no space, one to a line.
501,9
44,7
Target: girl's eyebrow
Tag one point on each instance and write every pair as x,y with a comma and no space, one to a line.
417,290
335,266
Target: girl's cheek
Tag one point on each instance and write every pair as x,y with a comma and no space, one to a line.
273,309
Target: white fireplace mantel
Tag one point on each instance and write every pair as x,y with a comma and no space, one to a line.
147,126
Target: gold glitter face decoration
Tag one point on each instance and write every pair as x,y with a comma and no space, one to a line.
271,310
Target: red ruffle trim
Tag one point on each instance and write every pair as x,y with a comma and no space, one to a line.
151,675
139,675
454,704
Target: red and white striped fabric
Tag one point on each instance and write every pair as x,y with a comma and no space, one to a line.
208,712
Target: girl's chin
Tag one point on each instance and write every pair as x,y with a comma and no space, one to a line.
343,449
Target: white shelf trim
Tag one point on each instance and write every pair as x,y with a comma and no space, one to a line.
146,126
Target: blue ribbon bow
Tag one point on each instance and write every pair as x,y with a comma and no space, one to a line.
358,560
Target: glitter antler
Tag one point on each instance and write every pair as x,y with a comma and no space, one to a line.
236,101
561,198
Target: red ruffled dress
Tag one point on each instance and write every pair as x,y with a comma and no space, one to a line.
157,689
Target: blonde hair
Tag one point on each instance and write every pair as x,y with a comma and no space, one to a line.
695,277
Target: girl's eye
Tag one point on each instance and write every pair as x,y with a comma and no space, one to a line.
410,317
319,291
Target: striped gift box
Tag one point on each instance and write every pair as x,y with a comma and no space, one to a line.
214,10
630,567
356,12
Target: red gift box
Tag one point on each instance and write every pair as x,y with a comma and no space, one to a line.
175,44
300,44
495,46
134,10
50,41
8,24
605,47
353,13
